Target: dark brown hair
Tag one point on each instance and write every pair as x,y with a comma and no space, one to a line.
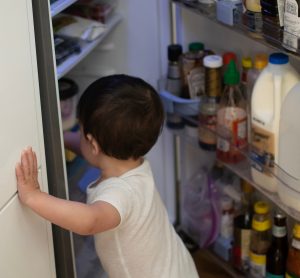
123,113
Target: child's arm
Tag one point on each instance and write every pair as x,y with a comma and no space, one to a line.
74,216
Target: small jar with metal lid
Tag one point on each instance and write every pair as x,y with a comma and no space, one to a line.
209,102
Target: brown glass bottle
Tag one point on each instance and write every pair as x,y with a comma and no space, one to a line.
293,260
277,253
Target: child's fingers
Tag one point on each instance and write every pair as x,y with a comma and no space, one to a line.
25,163
19,173
35,166
30,156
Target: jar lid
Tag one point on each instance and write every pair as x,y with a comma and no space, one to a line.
227,57
296,230
278,59
261,207
247,62
213,61
196,46
261,60
67,88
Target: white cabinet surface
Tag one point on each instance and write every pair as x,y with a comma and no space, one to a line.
25,238
19,99
25,251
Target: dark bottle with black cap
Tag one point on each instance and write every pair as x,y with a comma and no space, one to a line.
174,83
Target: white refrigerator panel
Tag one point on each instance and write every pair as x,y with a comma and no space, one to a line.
18,91
29,255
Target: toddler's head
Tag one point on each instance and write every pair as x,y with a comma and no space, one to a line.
123,113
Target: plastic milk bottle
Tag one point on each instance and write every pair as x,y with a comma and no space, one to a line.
269,92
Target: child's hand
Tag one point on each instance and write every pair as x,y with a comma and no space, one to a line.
27,175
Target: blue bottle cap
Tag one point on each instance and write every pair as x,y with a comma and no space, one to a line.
279,58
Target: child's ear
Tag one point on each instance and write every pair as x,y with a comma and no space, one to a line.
94,144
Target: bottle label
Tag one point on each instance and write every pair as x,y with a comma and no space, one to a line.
233,123
257,265
207,123
278,231
296,243
245,242
195,80
261,226
291,24
269,275
262,153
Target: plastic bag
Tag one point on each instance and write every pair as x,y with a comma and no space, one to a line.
201,209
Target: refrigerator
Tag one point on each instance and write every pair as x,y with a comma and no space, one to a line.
134,43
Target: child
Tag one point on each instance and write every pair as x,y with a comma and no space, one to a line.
120,120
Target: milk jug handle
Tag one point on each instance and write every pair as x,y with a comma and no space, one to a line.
277,81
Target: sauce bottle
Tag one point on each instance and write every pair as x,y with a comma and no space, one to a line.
293,260
231,118
277,253
193,71
173,83
260,239
242,229
246,67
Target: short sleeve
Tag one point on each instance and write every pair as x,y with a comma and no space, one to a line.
114,192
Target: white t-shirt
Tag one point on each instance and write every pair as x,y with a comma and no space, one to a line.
144,244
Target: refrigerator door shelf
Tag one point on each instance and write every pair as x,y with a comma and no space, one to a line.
60,5
178,105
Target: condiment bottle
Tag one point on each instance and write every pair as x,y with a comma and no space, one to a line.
277,253
210,101
253,15
293,260
231,119
174,83
242,229
260,239
174,74
226,230
227,57
193,71
246,66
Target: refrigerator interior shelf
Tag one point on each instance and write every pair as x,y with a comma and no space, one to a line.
86,48
268,34
178,105
243,170
60,5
